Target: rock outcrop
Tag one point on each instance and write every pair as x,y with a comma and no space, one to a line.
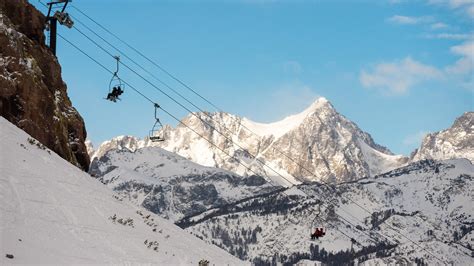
33,95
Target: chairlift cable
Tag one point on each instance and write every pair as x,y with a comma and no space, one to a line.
244,126
184,124
258,160
205,122
151,101
184,107
176,79
220,110
147,71
174,117
326,183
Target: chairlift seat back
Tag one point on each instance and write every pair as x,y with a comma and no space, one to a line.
156,139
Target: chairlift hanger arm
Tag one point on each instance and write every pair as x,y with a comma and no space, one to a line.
50,4
65,5
117,57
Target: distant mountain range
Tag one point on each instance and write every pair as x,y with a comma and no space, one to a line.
316,144
372,220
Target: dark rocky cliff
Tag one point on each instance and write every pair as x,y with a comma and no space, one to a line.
33,95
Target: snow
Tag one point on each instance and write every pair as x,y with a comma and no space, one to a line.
280,128
156,167
52,213
424,197
380,162
294,191
308,263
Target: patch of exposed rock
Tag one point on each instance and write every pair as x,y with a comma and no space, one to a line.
33,95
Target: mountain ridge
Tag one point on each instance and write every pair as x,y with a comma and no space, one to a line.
456,141
325,140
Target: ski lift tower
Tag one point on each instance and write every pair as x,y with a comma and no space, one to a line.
59,16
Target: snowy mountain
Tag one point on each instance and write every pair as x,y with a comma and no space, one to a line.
316,144
454,142
168,184
52,213
428,202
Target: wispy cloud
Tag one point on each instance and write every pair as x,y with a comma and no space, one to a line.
470,11
399,76
407,20
415,139
449,36
466,6
438,26
465,64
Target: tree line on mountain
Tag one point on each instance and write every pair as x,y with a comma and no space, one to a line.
343,257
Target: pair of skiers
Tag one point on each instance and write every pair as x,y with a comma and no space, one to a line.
114,95
319,232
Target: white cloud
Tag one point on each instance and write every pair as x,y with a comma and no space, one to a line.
406,20
399,76
470,11
465,49
438,26
464,65
466,6
449,36
459,3
415,139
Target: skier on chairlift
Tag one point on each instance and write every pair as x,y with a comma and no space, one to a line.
114,95
115,85
319,232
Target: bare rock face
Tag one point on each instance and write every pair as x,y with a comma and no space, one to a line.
33,95
454,142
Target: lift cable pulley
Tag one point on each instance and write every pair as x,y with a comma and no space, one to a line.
60,16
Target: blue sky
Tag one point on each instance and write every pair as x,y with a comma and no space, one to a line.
399,69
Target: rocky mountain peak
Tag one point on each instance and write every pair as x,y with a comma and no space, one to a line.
130,143
315,144
465,122
320,103
454,142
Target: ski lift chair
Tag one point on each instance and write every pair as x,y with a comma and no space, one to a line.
156,128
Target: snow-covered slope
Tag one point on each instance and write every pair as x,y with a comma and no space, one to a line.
454,142
316,144
171,185
52,213
280,128
427,202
